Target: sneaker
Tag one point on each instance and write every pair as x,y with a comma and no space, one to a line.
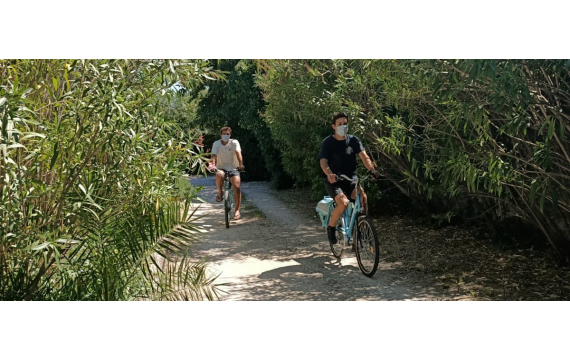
331,232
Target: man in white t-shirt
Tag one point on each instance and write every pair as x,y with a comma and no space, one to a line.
226,156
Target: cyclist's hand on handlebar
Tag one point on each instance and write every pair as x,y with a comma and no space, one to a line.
332,178
375,174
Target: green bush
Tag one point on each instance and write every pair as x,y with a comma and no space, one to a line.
91,203
468,138
237,103
298,112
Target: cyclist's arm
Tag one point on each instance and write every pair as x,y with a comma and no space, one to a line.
327,170
366,160
240,159
215,153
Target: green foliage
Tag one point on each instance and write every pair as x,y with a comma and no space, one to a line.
299,106
469,137
91,203
237,103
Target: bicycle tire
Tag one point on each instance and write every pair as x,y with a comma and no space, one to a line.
227,207
367,246
338,248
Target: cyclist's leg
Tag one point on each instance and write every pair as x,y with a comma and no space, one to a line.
219,182
341,205
342,202
363,201
235,179
336,192
363,198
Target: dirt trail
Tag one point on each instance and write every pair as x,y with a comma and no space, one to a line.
287,257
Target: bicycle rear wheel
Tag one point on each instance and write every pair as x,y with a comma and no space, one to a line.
338,248
367,247
227,207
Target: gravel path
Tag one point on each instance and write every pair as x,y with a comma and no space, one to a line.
287,257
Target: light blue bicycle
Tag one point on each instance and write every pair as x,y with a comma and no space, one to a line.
353,229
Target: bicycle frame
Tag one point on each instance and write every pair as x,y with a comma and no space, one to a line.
227,185
349,216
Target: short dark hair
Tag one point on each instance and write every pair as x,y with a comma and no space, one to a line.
226,128
339,115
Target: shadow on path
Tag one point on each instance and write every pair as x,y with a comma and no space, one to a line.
287,257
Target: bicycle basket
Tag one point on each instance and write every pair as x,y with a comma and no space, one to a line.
324,209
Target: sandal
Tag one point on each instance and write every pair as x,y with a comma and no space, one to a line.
237,216
219,198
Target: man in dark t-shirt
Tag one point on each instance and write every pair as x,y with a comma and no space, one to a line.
338,156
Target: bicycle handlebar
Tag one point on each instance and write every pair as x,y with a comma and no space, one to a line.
344,177
216,169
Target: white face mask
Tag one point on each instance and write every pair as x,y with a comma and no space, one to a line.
226,138
342,130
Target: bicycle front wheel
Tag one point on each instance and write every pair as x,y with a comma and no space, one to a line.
227,207
367,247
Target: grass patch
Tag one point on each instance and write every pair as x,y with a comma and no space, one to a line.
249,208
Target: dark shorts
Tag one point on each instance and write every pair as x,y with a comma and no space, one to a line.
340,187
231,173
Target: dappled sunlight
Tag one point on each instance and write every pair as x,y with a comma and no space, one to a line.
285,256
248,266
314,278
